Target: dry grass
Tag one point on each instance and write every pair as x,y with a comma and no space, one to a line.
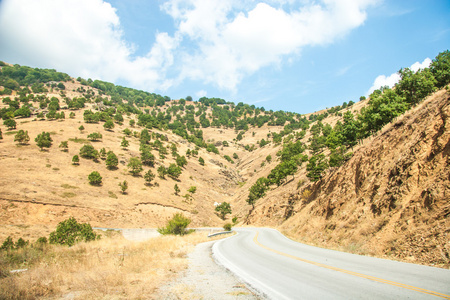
111,268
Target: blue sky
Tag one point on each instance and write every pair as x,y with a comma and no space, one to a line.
299,56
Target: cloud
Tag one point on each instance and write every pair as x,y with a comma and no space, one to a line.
232,43
392,79
217,42
80,37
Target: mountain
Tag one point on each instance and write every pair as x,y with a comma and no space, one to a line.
369,177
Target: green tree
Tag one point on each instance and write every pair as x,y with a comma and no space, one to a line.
124,144
109,124
43,140
174,171
95,178
149,176
177,225
415,86
177,189
1,134
64,146
316,167
123,186
22,137
81,128
440,68
223,209
111,160
162,171
135,166
88,151
201,161
132,122
95,136
103,153
69,232
192,189
257,191
75,160
10,123
147,157
181,161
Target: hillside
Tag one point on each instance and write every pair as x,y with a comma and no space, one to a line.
369,177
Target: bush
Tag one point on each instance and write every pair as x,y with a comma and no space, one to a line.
95,178
70,232
227,227
177,225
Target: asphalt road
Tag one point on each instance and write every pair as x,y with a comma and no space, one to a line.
279,268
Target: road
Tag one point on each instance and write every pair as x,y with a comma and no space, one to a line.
280,268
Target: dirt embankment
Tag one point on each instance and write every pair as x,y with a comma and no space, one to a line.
392,198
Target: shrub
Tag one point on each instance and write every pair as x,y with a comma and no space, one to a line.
123,186
69,232
89,152
223,209
8,244
75,160
22,137
177,225
43,140
95,178
135,166
227,227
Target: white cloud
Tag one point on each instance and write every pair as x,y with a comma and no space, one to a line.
234,43
215,41
80,37
394,78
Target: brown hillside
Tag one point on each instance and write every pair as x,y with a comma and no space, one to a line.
391,198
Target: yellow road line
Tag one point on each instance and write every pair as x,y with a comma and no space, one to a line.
402,285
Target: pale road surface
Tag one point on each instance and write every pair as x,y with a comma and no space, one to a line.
280,268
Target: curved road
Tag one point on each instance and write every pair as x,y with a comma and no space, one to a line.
280,268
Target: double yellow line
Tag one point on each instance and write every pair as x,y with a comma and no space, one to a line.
405,286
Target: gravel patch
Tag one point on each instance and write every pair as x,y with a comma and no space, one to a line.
204,279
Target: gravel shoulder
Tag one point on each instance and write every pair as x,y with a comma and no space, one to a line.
204,279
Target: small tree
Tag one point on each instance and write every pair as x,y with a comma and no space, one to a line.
1,134
177,225
95,178
43,140
177,189
109,124
192,189
81,128
10,123
111,160
162,171
72,115
149,176
124,144
95,136
174,171
103,153
223,209
227,227
123,186
135,166
75,160
64,146
181,161
132,122
89,152
22,137
201,161
70,232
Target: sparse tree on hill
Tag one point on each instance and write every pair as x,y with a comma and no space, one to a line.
162,171
111,160
89,152
64,146
81,128
22,137
109,124
174,171
1,134
75,160
95,178
181,161
10,123
135,166
95,136
177,189
132,122
192,189
201,161
72,115
149,176
223,209
124,144
123,186
103,153
43,140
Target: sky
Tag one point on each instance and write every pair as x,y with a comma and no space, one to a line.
292,55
